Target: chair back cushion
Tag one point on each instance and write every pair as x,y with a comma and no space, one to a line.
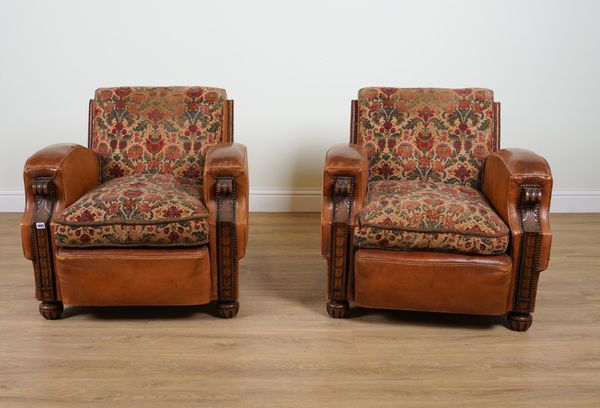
162,130
427,134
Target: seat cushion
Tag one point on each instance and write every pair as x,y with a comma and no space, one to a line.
410,215
135,211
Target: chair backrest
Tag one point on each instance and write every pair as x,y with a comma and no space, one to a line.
163,130
441,135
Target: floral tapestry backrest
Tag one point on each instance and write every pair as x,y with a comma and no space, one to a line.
441,135
163,130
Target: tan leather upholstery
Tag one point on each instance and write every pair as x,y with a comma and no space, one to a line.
134,277
345,159
505,171
74,169
227,160
432,281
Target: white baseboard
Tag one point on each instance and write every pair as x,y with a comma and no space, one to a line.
309,200
285,200
12,201
566,201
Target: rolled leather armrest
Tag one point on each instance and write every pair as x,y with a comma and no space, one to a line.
506,173
73,169
228,160
342,160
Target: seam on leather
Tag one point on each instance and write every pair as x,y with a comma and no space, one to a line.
145,257
508,268
356,169
217,169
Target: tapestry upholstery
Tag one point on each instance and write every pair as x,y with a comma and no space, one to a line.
427,134
134,211
416,215
155,130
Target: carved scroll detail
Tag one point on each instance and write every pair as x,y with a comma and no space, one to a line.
226,240
343,192
45,198
529,250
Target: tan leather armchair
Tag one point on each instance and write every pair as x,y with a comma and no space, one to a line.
422,210
153,212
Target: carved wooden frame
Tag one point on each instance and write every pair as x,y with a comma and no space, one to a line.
496,124
354,121
228,121
44,192
340,245
527,272
227,262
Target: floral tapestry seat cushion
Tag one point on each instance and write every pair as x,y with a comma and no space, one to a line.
158,210
416,215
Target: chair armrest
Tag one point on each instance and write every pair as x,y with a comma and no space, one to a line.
345,181
227,165
226,197
58,174
518,184
345,164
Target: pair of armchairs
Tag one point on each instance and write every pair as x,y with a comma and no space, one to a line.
421,211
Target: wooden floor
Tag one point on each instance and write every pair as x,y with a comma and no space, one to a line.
283,351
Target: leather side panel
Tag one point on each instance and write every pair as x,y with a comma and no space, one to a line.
432,281
134,277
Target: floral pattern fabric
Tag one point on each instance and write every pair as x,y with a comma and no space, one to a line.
135,211
440,135
155,130
414,215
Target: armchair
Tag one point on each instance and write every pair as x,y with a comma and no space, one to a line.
423,211
153,212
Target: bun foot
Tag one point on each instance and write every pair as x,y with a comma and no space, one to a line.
519,321
51,310
337,308
227,310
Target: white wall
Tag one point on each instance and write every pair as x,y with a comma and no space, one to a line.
293,67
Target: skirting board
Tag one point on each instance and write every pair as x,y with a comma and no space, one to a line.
309,200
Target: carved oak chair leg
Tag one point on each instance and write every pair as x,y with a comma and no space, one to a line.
519,321
51,310
227,310
337,308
